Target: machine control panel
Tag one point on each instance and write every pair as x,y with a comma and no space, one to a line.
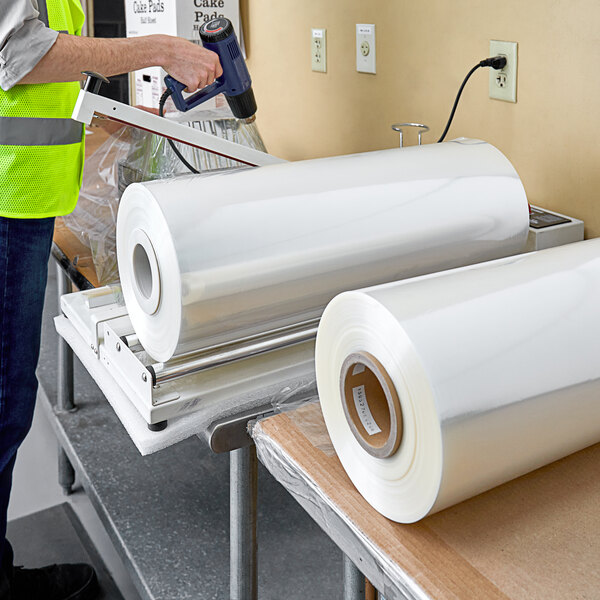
538,218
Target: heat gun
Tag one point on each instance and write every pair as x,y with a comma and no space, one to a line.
219,36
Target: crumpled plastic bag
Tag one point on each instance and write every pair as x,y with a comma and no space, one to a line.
130,156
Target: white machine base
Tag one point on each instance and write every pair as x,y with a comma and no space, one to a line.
93,325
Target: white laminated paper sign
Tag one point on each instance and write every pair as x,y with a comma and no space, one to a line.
147,17
177,17
192,14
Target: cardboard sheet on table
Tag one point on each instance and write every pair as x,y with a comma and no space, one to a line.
536,537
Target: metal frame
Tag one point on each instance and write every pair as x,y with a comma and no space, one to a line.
354,581
243,495
90,104
161,391
217,356
65,389
243,462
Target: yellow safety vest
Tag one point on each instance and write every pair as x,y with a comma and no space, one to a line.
41,147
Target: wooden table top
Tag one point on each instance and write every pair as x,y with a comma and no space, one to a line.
535,537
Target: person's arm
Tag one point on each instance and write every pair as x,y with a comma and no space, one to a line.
70,55
24,39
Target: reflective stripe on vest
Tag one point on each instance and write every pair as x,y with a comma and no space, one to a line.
43,16
20,131
43,10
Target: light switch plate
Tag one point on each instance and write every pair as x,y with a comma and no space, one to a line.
365,48
503,83
318,50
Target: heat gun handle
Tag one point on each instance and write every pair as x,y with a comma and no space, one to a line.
184,104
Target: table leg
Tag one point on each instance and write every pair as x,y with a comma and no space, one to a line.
354,581
65,390
65,400
66,472
243,579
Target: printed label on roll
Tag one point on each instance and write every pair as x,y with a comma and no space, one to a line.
363,410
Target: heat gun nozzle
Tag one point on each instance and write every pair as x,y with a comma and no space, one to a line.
243,106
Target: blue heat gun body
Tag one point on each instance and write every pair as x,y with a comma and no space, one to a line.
219,36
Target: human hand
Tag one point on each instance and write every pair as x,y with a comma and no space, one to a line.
191,64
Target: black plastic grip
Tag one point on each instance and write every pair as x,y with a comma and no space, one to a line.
243,106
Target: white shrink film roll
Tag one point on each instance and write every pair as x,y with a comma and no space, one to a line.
440,387
206,260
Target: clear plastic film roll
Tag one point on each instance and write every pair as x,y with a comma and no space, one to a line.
438,388
208,260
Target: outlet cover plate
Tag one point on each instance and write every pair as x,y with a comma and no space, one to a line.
365,48
318,50
503,84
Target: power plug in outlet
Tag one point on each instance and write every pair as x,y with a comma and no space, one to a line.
318,50
503,83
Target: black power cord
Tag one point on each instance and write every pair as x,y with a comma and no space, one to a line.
496,62
161,112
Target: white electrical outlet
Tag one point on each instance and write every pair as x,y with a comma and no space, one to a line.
318,50
503,83
365,48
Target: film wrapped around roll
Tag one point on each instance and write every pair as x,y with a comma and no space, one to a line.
440,387
208,260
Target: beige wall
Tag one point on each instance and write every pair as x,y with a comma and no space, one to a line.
424,49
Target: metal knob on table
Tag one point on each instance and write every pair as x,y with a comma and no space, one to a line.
399,128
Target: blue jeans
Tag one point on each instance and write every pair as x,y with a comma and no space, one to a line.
24,252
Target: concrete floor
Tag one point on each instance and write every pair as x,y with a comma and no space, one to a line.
35,488
56,535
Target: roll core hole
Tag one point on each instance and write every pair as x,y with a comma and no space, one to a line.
143,271
371,405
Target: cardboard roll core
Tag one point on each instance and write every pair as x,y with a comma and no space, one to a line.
371,404
146,273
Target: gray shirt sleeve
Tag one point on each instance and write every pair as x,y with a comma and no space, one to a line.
24,40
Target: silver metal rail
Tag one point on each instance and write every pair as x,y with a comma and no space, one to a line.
354,581
218,356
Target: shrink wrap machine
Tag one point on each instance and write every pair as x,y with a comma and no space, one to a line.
209,260
440,387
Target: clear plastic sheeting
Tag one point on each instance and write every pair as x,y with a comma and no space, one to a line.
390,579
441,387
132,156
209,261
309,421
234,130
292,397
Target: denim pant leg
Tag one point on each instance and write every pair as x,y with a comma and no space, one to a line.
24,252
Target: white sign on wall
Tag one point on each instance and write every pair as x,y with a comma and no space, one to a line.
177,17
192,14
145,17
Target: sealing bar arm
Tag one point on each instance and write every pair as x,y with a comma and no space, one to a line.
90,104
